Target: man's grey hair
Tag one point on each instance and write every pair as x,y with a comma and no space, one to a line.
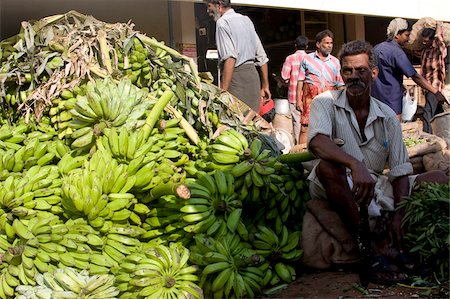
356,47
224,3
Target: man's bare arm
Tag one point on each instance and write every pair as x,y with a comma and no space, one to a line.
265,91
299,95
363,183
422,82
227,73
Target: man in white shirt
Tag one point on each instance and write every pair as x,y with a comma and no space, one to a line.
240,51
347,177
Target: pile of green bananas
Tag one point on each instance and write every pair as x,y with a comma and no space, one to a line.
108,175
230,268
69,283
158,272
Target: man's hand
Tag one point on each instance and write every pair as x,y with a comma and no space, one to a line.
299,103
363,184
441,98
265,92
299,95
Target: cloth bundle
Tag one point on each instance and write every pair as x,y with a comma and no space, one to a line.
325,240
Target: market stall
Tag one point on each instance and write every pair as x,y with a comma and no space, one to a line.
124,174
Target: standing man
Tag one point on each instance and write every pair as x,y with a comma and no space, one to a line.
319,72
433,70
346,177
290,74
393,64
240,51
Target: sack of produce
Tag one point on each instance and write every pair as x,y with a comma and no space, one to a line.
414,42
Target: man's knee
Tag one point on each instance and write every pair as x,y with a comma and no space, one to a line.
329,171
433,176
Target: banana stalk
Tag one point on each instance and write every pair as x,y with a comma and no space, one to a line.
104,51
169,188
292,158
190,131
156,111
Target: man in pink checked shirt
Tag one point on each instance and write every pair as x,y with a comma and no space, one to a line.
319,72
290,74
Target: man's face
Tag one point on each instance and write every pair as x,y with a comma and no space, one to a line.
357,74
426,41
402,38
325,46
213,10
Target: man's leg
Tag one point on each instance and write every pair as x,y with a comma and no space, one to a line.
431,108
295,121
303,136
433,176
334,179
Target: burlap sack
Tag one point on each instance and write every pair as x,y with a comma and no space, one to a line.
433,144
414,40
437,161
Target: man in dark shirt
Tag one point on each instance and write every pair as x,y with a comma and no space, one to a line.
393,64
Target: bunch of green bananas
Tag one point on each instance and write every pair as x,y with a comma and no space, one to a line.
227,149
24,255
230,267
158,272
107,184
279,253
136,65
257,173
117,246
106,104
34,151
288,204
69,283
59,112
163,223
213,207
125,146
37,189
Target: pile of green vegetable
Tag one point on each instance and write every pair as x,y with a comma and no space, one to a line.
427,226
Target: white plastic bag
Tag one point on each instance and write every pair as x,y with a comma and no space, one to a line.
409,106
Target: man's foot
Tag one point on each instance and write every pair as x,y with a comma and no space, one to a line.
404,261
383,272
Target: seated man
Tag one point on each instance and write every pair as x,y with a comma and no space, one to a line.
346,176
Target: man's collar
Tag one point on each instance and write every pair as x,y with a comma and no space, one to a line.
228,11
374,110
316,54
394,42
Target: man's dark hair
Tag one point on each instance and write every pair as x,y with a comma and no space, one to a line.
428,32
301,42
356,47
409,28
224,3
323,34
